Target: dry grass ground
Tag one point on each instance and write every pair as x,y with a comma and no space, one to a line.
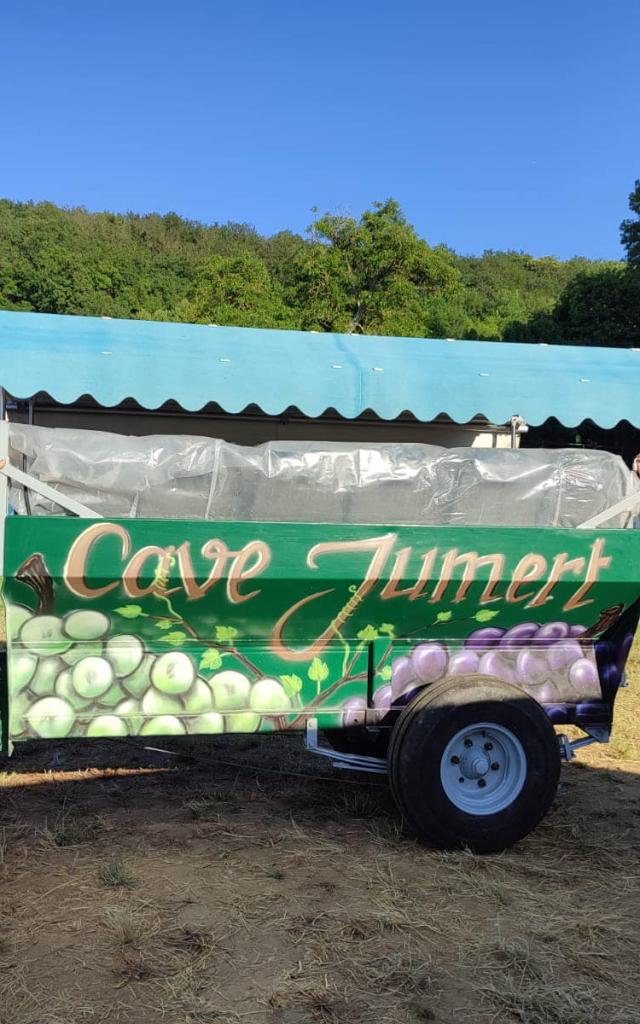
205,891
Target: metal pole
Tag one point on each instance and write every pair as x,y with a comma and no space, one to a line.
628,504
4,483
27,497
65,501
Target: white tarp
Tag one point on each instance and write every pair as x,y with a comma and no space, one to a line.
185,477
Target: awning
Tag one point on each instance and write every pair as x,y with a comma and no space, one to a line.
194,365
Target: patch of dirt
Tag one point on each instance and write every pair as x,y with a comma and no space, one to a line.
246,881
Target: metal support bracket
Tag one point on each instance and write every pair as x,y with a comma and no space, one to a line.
350,762
63,500
518,426
598,734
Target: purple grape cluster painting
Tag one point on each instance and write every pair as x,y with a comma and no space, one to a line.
550,662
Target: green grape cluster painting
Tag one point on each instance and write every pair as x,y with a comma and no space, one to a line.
76,675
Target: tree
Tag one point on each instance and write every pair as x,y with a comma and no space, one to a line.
505,291
630,230
237,290
601,308
370,276
600,305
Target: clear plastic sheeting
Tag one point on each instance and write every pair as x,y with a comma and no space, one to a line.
184,477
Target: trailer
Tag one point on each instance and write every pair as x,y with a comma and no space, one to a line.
433,615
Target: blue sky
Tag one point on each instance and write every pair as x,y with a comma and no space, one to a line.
495,123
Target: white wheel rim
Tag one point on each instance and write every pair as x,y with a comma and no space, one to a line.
483,768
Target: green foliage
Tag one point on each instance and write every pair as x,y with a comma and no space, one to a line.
129,611
367,275
509,288
115,876
599,305
485,615
292,685
318,671
176,638
601,308
368,633
226,634
237,290
210,661
630,229
372,276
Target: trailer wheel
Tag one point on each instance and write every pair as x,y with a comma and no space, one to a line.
473,762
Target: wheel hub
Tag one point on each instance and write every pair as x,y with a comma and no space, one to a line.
483,768
474,764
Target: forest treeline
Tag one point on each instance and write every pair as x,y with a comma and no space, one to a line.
371,275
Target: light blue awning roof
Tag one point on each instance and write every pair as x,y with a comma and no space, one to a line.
113,360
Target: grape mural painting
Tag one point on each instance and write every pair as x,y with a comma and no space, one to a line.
110,635
80,673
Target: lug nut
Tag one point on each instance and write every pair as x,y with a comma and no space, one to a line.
481,783
468,743
461,779
488,746
455,759
494,766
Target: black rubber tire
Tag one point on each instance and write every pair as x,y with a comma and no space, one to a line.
418,742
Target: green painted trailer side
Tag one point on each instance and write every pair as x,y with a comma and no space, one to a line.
126,627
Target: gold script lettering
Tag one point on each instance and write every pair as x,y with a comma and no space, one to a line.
562,565
529,569
596,562
381,548
133,571
75,570
471,561
242,570
215,550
